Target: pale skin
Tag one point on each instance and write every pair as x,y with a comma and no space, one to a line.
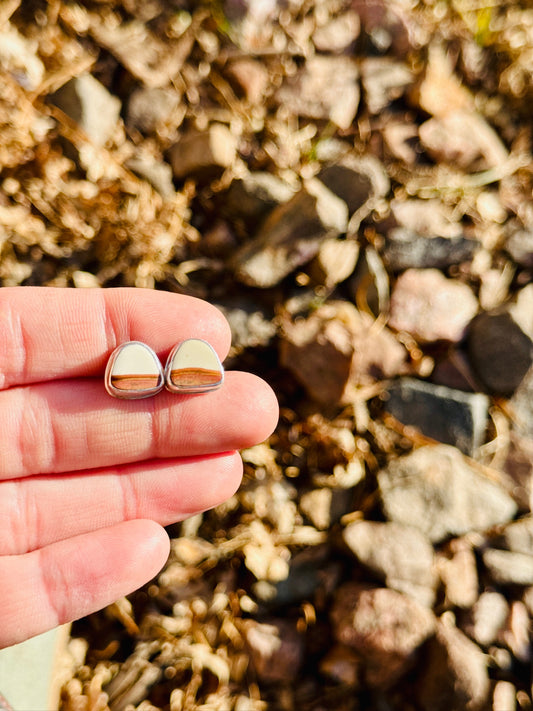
87,482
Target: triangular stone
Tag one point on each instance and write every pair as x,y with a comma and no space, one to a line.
192,367
134,371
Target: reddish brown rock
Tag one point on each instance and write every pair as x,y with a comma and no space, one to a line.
338,348
383,626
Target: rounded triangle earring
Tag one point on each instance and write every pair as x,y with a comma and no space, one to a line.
133,372
193,366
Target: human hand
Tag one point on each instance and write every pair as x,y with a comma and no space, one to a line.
87,481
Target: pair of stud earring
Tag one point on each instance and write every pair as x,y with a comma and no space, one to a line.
134,371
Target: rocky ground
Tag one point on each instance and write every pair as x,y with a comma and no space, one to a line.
351,182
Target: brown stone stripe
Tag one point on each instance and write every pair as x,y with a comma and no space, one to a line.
135,382
194,377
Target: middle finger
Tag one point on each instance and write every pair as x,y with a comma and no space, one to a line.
64,426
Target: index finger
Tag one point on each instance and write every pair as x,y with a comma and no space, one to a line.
50,333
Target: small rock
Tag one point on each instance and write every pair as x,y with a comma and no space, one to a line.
339,34
251,326
383,626
431,307
500,352
454,371
149,109
518,536
435,490
446,415
462,138
155,61
18,57
291,235
251,76
342,665
156,172
276,649
401,554
457,568
203,153
90,105
219,240
455,675
504,696
325,88
336,349
356,180
522,310
508,568
427,218
335,261
488,617
516,633
253,196
405,249
520,247
384,80
325,506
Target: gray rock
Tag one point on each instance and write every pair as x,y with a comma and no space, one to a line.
455,675
437,491
150,108
520,247
385,627
90,105
291,235
406,249
253,196
487,618
324,88
402,555
431,307
356,180
203,153
508,568
500,352
446,415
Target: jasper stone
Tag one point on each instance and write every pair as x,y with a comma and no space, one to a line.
134,371
193,366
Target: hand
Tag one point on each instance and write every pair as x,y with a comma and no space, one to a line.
88,481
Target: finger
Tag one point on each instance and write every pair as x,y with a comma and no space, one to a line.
42,510
72,578
67,426
64,333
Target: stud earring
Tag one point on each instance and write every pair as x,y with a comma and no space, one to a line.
193,367
133,372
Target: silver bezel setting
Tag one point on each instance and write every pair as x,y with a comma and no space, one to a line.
131,394
171,387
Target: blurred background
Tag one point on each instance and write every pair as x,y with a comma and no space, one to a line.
350,182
